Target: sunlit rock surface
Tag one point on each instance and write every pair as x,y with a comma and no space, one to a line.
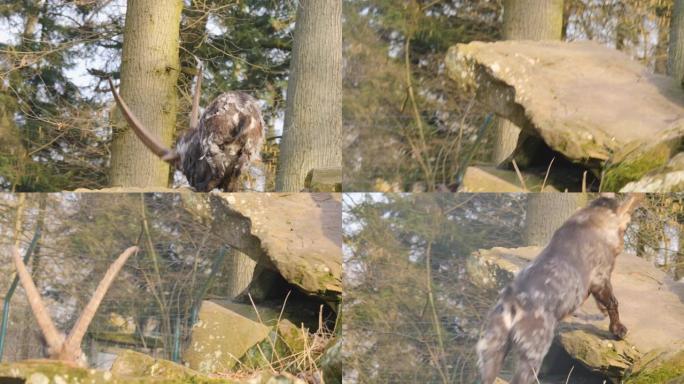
220,338
590,103
490,179
300,234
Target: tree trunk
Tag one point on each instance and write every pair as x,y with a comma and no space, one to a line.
149,72
241,271
678,259
31,23
192,34
525,20
675,64
546,212
312,133
11,146
661,49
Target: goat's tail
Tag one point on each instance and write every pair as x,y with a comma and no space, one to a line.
495,340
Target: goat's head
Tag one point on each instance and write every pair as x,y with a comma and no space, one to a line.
627,207
62,347
214,150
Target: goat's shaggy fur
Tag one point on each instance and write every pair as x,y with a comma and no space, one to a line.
577,262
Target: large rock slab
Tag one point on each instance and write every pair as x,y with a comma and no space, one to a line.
651,306
301,235
586,101
491,179
220,338
292,325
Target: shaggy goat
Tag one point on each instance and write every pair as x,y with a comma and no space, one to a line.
577,262
217,147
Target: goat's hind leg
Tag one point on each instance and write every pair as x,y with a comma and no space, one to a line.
531,337
494,343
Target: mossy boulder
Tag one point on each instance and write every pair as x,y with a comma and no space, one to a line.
605,355
659,366
331,362
49,372
293,336
263,354
285,339
55,372
669,178
636,163
132,365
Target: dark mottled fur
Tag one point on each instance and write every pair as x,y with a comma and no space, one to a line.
577,262
215,150
228,138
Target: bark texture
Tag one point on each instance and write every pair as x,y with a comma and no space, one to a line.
548,211
675,64
312,136
149,72
525,20
241,269
661,49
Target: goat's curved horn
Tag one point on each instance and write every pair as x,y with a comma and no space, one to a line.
73,341
194,114
143,134
53,337
628,206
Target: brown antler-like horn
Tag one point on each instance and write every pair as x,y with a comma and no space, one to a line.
629,205
53,337
73,341
194,114
143,134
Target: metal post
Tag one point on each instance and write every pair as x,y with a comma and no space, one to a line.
175,355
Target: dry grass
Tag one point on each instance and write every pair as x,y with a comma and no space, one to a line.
303,364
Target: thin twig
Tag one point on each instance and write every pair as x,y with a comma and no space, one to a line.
567,379
520,177
548,170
